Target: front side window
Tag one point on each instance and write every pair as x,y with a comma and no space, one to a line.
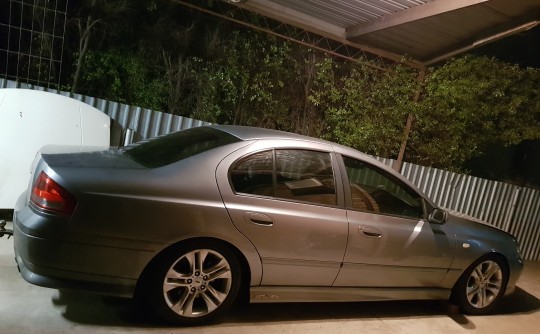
374,190
298,175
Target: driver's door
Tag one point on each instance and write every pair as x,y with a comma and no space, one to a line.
391,244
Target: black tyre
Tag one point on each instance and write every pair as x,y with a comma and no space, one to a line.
482,285
193,283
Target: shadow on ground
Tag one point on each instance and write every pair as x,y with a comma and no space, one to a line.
109,311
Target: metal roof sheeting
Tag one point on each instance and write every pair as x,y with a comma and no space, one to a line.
344,13
427,31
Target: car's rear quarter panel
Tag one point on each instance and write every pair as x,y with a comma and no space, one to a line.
125,217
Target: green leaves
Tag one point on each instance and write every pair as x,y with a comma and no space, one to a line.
471,102
122,77
367,108
241,82
186,63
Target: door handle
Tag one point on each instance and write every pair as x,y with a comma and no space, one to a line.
370,232
258,219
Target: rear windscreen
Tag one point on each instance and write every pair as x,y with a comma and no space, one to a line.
180,145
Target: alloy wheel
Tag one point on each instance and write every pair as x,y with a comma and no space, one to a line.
484,284
197,283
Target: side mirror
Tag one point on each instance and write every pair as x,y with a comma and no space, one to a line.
438,216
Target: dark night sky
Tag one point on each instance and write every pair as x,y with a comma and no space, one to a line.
522,48
518,164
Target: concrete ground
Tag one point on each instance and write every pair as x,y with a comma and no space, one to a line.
25,308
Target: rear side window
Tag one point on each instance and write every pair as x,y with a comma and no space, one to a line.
298,175
254,174
177,146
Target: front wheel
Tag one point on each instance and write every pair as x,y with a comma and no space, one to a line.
194,283
481,286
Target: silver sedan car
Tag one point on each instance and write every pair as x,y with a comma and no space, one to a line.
191,221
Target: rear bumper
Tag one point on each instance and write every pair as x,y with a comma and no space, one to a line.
50,254
56,279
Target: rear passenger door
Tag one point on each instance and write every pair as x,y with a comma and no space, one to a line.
286,201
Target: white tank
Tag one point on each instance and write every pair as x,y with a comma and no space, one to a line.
30,119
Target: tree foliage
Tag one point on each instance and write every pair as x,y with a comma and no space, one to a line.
366,108
124,77
94,21
159,55
241,81
471,102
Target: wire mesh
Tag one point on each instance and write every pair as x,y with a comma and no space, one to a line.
32,40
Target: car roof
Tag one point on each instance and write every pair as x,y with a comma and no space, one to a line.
254,133
247,133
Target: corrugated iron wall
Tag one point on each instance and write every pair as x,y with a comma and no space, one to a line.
511,208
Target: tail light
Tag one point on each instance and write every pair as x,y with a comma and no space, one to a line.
49,195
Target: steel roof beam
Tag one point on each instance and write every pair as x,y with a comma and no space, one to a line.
488,37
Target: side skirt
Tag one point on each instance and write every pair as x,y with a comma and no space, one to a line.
285,294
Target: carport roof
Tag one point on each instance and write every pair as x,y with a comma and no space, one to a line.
426,31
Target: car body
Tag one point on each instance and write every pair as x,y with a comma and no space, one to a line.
190,220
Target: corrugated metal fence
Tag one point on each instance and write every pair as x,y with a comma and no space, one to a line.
511,208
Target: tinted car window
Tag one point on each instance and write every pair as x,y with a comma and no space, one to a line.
298,175
375,190
253,174
180,145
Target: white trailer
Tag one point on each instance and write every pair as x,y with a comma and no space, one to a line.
30,119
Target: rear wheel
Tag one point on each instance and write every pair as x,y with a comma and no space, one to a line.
194,283
481,286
